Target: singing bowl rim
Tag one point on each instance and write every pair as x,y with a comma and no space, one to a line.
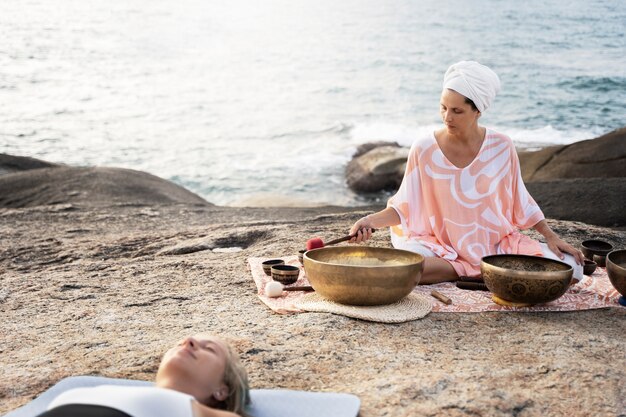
588,246
619,279
307,255
271,262
284,269
545,275
615,253
410,272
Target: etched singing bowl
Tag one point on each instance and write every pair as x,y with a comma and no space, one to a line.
616,269
595,247
362,275
526,279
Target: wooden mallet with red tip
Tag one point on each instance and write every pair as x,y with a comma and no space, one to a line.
317,242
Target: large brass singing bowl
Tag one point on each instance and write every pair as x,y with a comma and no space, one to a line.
616,269
362,275
526,279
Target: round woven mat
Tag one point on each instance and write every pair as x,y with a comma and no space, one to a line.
411,307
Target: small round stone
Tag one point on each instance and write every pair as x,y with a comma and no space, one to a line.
274,289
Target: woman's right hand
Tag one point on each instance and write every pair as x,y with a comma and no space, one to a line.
361,230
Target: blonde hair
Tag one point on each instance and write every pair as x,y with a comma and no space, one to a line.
236,379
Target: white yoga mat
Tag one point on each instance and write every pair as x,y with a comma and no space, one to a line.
265,402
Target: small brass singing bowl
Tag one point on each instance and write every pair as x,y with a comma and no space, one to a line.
267,265
589,267
361,275
616,269
285,274
526,279
593,247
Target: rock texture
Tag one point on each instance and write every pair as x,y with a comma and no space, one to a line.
10,164
93,186
599,201
108,278
380,168
105,290
368,146
603,157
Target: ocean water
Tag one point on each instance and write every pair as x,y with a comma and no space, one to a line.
237,98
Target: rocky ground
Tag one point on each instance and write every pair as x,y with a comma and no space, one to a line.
103,269
96,290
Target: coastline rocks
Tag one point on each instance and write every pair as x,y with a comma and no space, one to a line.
599,201
366,147
603,157
10,164
90,187
378,168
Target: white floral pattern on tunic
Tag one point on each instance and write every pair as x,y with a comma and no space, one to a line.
463,214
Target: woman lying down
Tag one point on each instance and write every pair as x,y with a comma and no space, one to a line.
199,377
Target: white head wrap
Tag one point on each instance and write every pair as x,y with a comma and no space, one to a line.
473,80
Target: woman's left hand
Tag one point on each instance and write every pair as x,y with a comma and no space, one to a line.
558,246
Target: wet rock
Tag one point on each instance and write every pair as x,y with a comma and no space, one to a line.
366,147
603,157
90,187
10,164
599,201
380,168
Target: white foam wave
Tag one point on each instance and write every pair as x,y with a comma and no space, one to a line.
526,138
403,134
546,136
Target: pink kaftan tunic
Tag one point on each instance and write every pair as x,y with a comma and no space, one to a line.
463,214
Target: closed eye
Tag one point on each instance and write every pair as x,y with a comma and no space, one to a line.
209,347
454,109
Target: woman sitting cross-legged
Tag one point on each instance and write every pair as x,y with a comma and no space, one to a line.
199,377
462,196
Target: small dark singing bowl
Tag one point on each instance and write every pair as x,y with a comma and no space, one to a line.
595,247
301,255
363,275
616,268
267,265
285,274
589,267
526,279
600,260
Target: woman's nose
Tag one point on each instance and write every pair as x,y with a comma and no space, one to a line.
191,342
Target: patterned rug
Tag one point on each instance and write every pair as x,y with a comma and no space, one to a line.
594,291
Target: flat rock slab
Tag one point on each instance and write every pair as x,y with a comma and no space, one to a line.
89,291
